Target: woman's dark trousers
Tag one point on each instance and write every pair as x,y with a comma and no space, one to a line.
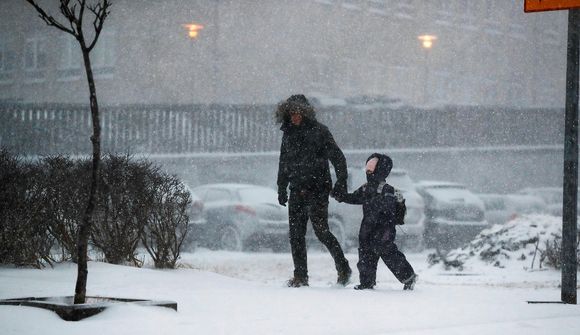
304,205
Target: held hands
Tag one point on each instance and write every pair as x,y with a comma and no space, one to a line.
339,191
282,198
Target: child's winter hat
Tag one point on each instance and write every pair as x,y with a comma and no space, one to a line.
383,167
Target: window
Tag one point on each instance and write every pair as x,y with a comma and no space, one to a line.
489,90
351,4
445,8
516,93
71,58
468,19
378,7
406,9
400,84
215,194
321,69
488,10
7,61
376,78
35,58
349,82
326,2
104,56
444,13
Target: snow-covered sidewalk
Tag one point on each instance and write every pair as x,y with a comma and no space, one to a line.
243,293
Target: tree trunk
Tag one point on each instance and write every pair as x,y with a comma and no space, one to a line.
85,228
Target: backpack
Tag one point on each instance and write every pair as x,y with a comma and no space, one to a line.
400,213
400,207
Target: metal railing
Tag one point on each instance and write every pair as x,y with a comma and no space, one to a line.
57,128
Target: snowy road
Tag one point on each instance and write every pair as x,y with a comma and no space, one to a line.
243,293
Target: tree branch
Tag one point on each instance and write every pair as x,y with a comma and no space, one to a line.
81,15
70,15
49,20
101,11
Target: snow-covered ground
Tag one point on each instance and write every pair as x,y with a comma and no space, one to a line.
244,293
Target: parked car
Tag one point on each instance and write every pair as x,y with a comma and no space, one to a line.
454,215
195,211
409,236
552,196
196,219
501,208
242,216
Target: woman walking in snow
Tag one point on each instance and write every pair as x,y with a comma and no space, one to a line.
307,147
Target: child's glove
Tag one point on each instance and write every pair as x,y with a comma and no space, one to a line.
338,197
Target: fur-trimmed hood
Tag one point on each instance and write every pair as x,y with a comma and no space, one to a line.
297,102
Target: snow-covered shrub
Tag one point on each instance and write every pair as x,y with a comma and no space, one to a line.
42,204
121,201
553,251
24,237
528,242
167,222
63,190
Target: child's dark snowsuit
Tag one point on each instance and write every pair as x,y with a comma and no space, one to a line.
382,205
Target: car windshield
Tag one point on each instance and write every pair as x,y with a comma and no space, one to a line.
257,195
493,203
448,192
549,195
216,194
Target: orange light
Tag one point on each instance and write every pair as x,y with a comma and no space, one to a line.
427,40
193,29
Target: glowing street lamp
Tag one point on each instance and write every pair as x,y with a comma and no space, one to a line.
193,29
426,43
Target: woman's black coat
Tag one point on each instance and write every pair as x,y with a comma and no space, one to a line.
304,158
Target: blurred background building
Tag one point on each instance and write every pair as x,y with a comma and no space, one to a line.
419,52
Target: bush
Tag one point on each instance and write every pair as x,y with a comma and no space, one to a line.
24,237
121,202
552,253
167,222
42,205
64,186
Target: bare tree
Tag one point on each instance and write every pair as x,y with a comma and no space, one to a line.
74,13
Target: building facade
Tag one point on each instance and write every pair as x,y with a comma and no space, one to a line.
261,51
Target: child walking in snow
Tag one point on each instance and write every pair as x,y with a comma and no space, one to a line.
383,208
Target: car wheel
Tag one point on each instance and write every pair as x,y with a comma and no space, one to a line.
230,239
280,245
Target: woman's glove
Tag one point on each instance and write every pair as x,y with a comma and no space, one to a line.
339,190
282,197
